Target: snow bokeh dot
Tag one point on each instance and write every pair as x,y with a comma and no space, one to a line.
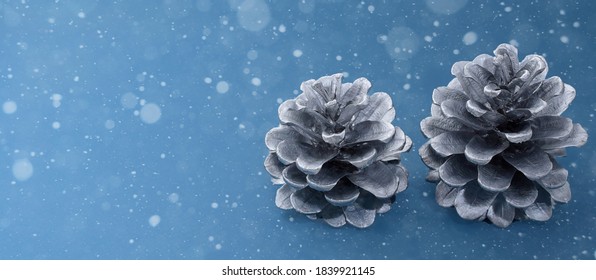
22,169
222,87
154,220
9,107
150,113
470,38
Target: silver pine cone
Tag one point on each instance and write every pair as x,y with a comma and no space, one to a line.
336,152
494,132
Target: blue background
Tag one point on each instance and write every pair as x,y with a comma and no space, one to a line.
138,131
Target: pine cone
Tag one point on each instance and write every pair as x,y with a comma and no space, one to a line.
337,153
494,132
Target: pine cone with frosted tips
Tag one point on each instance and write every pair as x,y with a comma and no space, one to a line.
495,131
336,152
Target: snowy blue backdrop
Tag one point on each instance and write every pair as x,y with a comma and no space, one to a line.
135,129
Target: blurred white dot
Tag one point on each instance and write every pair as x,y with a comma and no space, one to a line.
81,14
456,51
222,87
576,24
297,53
407,87
154,220
173,197
255,81
214,205
22,169
208,80
56,100
129,100
110,124
564,39
9,107
252,54
217,246
253,15
508,9
470,38
56,125
141,76
282,28
402,43
150,113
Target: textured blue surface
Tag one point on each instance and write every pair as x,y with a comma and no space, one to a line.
135,129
